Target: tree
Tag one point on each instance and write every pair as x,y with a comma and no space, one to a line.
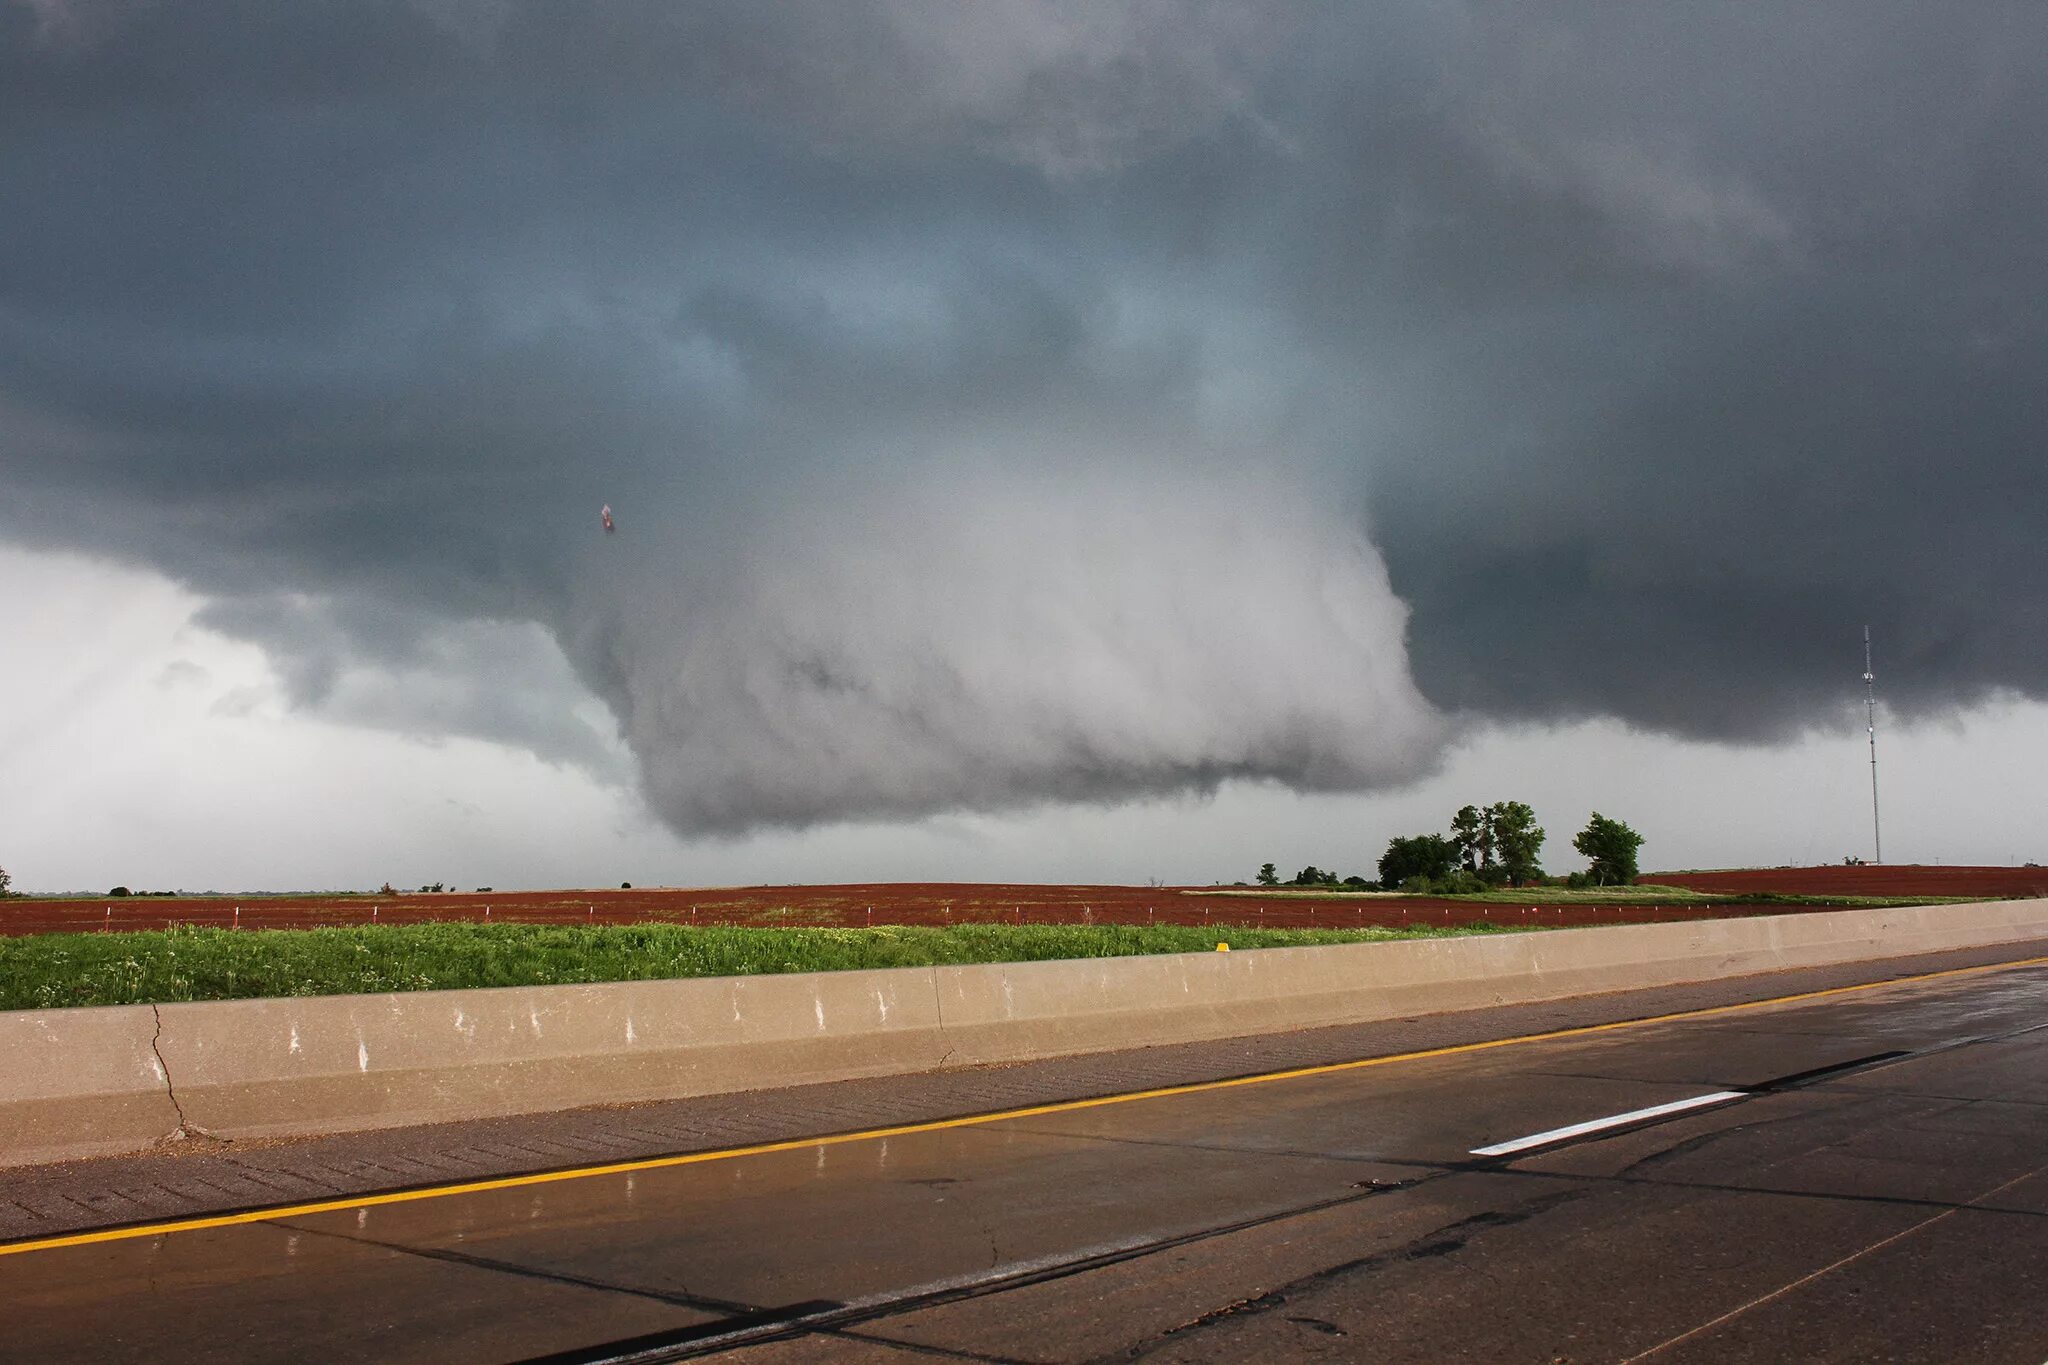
1420,855
1313,876
1267,876
1610,846
1517,840
1472,831
6,882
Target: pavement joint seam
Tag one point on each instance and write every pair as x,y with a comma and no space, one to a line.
832,1322
1446,1240
683,1299
1828,1269
925,1349
1720,1187
1956,1099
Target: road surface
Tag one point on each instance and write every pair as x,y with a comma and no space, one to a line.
1856,1175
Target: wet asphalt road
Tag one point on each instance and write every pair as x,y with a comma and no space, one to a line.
1877,1190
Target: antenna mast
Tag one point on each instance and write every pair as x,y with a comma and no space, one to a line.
1870,723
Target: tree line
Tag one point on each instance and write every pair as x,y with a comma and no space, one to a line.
1486,847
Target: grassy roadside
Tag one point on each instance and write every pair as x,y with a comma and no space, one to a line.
46,971
1640,893
1636,895
1506,895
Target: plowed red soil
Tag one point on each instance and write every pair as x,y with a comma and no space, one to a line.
1866,880
884,903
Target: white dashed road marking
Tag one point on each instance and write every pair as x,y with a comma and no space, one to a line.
1612,1121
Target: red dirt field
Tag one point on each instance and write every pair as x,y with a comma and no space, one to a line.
889,903
1908,879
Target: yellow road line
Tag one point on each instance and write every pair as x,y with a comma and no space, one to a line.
513,1182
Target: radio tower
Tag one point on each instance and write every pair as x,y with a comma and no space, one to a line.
1870,723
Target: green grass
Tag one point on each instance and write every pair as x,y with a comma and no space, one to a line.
1639,894
1508,895
45,971
1310,892
1593,895
1673,895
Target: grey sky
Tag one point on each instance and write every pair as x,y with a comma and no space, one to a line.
1032,404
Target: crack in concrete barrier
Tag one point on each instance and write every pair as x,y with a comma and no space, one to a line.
939,1013
163,1069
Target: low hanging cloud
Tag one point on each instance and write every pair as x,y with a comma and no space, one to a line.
1036,401
979,642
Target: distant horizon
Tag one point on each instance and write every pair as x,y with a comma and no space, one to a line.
137,893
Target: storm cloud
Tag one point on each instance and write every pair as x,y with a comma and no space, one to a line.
1040,401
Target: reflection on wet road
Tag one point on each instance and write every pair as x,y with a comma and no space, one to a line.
1875,1176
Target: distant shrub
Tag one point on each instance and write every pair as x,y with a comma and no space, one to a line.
119,891
625,886
1457,882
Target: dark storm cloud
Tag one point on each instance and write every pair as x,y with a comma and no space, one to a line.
1657,352
1716,345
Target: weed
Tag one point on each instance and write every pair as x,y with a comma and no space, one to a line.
44,971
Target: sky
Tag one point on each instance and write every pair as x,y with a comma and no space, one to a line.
1048,440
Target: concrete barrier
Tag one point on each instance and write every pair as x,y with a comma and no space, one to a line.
256,1068
81,1082
94,1081
1039,1009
